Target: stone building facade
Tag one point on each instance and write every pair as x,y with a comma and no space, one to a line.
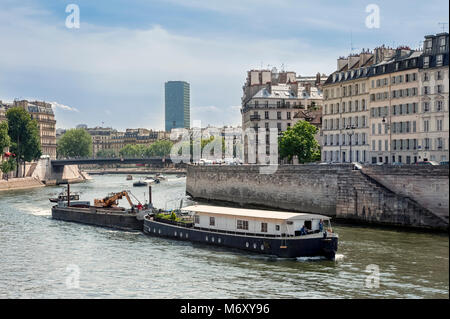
43,113
404,106
433,101
111,139
270,102
345,126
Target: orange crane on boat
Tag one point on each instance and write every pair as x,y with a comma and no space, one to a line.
113,200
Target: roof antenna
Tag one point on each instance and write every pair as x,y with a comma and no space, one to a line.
443,25
351,42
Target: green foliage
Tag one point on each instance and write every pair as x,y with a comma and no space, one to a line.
24,134
8,165
159,148
133,151
75,143
5,140
106,153
299,140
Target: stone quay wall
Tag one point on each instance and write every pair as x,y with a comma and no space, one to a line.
20,183
368,195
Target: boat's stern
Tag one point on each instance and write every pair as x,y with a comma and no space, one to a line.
330,245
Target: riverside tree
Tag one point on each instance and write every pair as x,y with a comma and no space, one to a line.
75,143
5,141
106,153
24,134
299,140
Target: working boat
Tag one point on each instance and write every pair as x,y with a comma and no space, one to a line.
105,212
150,180
160,177
139,183
63,197
280,234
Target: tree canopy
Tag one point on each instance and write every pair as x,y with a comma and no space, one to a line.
24,134
299,140
106,153
5,141
75,143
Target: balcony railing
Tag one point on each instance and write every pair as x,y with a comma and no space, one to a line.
255,117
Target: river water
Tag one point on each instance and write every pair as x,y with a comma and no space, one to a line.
45,258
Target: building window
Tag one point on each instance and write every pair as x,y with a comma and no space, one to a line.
439,59
426,125
264,227
242,224
426,62
212,221
266,115
439,125
197,219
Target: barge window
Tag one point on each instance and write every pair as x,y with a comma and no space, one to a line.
277,227
212,221
308,224
264,227
242,224
197,219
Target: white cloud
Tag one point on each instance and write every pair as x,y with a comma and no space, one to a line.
57,105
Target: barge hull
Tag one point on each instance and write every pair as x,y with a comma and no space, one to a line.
280,247
98,218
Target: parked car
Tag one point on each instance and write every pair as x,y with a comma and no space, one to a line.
397,163
428,163
443,163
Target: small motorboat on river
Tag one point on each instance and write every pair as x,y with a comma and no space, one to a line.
139,184
63,197
281,234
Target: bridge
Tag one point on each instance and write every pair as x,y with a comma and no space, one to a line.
106,161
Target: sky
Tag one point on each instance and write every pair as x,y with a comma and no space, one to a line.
111,70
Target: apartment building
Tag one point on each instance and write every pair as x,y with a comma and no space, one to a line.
403,107
394,108
43,113
433,90
270,101
345,128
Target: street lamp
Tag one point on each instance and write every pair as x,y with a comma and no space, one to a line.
388,127
350,129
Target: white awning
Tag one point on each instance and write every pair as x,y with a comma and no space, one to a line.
253,213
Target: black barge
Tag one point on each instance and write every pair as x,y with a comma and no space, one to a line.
280,234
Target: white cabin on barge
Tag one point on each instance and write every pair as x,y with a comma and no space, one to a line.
252,222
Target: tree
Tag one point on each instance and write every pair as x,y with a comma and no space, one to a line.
159,148
5,140
24,134
131,150
8,165
299,140
75,143
106,153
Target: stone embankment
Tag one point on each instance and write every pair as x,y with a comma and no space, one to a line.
408,196
20,183
149,170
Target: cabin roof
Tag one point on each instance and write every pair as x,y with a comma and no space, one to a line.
255,213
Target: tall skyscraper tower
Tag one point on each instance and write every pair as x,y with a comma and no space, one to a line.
177,105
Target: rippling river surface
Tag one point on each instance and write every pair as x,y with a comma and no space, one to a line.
45,258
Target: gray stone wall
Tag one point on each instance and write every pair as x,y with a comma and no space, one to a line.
372,195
